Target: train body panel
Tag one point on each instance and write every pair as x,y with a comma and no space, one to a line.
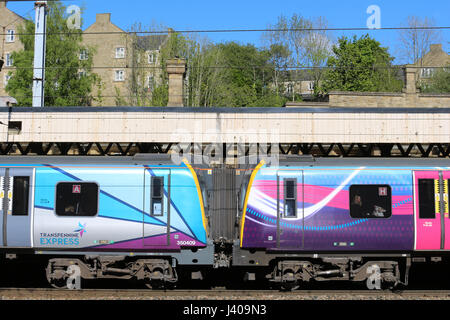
104,207
308,208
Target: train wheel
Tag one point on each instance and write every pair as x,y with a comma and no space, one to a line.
289,286
56,277
58,283
154,284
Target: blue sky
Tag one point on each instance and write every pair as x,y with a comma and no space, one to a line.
252,14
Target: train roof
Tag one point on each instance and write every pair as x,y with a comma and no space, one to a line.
199,161
294,161
306,109
138,159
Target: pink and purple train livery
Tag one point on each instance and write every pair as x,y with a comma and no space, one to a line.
355,205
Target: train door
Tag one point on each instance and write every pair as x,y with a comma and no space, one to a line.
445,209
290,209
17,204
429,224
157,185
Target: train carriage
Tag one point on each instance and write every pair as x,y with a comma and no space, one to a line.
336,218
302,219
133,217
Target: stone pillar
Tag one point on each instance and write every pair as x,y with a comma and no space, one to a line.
410,89
176,69
410,79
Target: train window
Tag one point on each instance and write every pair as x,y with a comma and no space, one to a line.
290,198
370,201
21,191
76,199
157,196
427,207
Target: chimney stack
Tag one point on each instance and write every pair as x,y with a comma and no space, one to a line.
3,3
436,47
176,69
104,18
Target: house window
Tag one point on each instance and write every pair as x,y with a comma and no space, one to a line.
120,53
7,78
81,74
149,82
76,199
311,86
370,201
119,75
157,196
84,54
290,88
9,60
10,35
151,58
427,72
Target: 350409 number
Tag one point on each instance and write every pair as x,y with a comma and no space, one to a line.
186,243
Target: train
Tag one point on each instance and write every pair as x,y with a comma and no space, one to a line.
293,221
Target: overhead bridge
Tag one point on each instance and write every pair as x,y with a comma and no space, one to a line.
322,131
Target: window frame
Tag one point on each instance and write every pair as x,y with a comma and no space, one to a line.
84,55
120,53
150,82
151,57
285,182
152,197
27,208
82,73
75,216
10,35
6,79
9,61
119,79
351,195
420,207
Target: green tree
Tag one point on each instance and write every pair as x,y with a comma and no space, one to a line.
222,75
360,65
438,83
247,77
68,79
308,41
280,58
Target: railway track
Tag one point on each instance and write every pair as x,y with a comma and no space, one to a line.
217,294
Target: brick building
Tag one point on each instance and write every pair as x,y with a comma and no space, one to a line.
432,61
9,22
128,65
